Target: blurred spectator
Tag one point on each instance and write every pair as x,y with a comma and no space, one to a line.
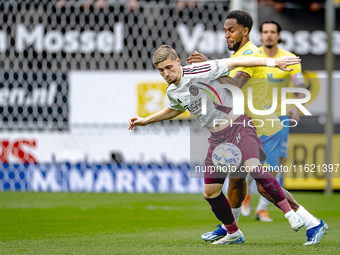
181,4
132,4
314,6
61,4
99,4
279,6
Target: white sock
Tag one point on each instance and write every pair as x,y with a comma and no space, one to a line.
236,212
309,220
224,227
287,214
249,181
237,233
262,205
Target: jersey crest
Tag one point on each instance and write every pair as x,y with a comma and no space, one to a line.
193,90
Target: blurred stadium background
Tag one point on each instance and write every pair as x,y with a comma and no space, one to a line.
74,72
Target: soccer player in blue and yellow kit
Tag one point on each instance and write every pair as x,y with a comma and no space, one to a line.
270,36
237,28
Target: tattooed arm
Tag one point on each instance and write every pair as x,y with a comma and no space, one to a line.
238,80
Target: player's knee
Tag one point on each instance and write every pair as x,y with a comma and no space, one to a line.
210,194
251,163
212,191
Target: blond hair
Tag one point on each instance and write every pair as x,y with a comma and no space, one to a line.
162,53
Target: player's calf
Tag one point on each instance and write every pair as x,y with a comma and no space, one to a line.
273,189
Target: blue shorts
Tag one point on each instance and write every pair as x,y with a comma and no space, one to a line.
283,147
271,148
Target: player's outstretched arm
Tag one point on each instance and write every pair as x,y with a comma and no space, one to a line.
281,62
196,57
165,114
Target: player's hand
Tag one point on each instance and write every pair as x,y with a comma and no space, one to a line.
294,112
196,57
283,62
137,121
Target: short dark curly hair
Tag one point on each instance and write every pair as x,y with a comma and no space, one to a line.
243,18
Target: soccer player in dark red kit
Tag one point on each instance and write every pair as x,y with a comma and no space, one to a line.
186,87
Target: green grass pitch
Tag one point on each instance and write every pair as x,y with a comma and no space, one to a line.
82,223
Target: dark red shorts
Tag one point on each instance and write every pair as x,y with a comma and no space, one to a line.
244,136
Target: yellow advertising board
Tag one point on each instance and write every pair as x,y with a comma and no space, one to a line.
305,166
152,98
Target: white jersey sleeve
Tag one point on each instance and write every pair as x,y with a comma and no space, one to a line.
212,69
